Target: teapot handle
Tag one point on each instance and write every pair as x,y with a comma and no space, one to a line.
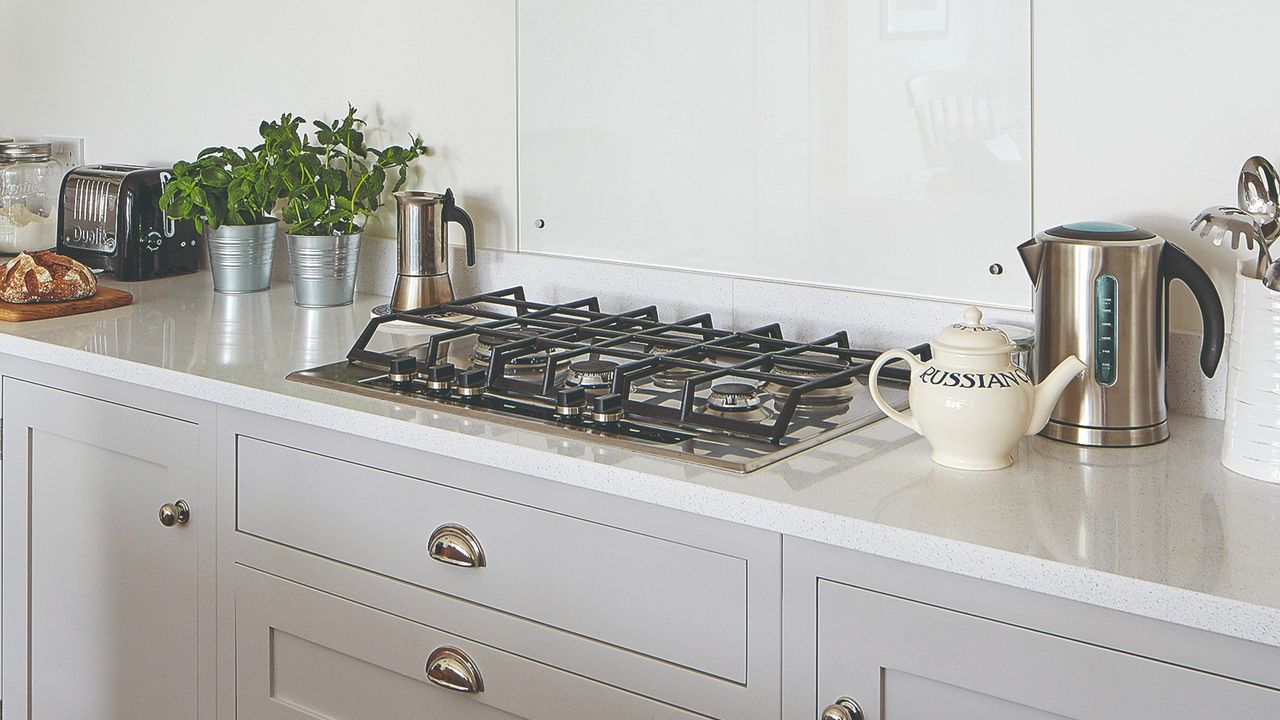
874,385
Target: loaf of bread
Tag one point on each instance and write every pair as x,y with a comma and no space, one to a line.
45,276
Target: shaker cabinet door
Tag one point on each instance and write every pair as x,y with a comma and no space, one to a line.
100,597
303,654
899,659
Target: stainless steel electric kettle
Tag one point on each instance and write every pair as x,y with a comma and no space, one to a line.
1102,294
422,228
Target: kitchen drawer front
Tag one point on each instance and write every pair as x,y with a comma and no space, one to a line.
662,599
302,653
900,658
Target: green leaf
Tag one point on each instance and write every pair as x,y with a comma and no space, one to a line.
212,151
215,176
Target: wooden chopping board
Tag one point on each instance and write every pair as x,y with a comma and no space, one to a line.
104,299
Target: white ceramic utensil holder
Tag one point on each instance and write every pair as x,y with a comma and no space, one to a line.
1251,437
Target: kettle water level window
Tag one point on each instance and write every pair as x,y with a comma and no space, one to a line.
1104,330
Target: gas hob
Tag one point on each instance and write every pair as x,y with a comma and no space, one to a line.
686,389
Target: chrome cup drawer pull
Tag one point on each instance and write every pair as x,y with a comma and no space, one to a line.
843,709
451,669
455,545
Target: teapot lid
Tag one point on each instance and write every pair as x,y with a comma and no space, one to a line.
971,337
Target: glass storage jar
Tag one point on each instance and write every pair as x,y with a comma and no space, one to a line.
30,182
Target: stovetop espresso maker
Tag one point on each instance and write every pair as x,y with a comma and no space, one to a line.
422,278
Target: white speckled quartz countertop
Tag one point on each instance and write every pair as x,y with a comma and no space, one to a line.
1164,532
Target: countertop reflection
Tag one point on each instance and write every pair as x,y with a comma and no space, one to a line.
1162,531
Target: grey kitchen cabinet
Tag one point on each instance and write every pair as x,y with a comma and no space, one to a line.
329,597
584,577
107,612
878,640
677,608
302,653
905,660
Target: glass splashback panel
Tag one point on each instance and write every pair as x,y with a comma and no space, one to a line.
873,144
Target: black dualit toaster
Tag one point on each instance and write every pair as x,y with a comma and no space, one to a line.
110,220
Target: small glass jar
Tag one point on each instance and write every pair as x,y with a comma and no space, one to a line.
29,187
1024,345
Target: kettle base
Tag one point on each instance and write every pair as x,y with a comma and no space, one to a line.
1107,437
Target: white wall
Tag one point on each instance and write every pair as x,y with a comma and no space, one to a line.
1144,109
157,80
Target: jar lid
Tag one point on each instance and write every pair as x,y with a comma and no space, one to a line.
971,337
25,151
1023,338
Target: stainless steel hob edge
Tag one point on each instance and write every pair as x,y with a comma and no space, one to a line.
322,376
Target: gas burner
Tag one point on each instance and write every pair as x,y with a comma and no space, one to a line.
528,363
739,401
674,377
824,397
453,315
734,397
591,375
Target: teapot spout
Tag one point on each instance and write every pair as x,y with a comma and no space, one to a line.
1031,252
1048,391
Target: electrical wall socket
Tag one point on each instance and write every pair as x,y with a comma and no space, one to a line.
69,151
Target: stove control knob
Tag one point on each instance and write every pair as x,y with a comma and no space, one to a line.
607,408
402,370
441,377
472,383
571,401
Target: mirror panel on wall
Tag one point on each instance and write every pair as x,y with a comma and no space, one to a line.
882,145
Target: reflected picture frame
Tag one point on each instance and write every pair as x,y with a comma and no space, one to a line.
913,19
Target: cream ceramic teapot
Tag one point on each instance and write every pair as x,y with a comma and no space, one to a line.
970,401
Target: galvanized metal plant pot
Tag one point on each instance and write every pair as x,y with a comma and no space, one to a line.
323,268
240,256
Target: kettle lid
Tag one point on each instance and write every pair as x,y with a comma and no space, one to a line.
1097,230
971,337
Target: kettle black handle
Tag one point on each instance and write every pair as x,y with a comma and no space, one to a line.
1177,265
453,213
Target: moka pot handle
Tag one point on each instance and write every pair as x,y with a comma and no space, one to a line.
453,213
1175,264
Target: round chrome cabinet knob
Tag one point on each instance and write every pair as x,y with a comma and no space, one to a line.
175,513
843,709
